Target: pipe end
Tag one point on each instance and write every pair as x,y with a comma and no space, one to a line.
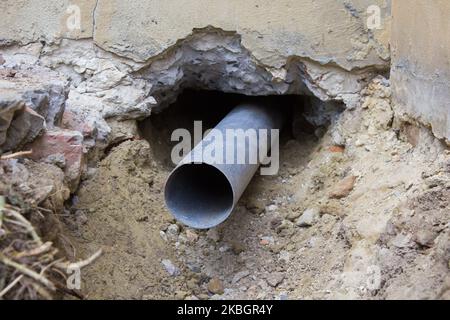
199,195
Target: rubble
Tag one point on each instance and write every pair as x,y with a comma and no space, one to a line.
65,143
343,188
30,102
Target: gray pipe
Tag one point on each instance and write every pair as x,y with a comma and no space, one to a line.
201,193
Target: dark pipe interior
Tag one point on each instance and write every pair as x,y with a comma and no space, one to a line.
193,105
199,195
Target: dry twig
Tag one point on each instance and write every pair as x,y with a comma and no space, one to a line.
16,155
80,264
26,271
11,285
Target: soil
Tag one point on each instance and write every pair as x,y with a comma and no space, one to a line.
386,234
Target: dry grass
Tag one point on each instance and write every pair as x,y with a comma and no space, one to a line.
29,267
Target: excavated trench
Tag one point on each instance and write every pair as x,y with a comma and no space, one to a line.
315,230
125,195
358,209
335,222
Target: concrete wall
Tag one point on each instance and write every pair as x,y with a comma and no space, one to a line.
420,73
327,31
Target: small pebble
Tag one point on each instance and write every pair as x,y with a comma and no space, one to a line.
213,235
173,230
163,235
237,247
191,236
170,267
238,276
308,218
274,279
215,286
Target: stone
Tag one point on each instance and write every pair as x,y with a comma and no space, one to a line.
37,184
425,238
57,159
181,295
402,240
75,121
237,247
215,286
336,149
191,236
21,125
62,142
41,89
275,278
338,138
240,275
30,101
284,256
194,267
255,205
80,217
267,240
283,296
163,235
88,120
122,130
275,222
213,234
172,231
285,228
294,213
308,218
343,188
171,269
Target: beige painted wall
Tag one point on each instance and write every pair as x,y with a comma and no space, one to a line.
420,73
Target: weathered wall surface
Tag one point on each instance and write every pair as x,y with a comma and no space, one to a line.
125,58
271,30
326,31
26,21
420,73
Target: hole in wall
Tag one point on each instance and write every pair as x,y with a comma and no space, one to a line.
306,117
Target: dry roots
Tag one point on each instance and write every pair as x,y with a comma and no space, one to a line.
29,267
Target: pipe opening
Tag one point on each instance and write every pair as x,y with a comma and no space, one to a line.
199,195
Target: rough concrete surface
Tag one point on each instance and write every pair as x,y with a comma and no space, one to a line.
273,31
421,62
280,43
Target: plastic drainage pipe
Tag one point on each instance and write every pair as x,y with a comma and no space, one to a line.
202,192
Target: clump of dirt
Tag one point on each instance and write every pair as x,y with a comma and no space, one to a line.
354,213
